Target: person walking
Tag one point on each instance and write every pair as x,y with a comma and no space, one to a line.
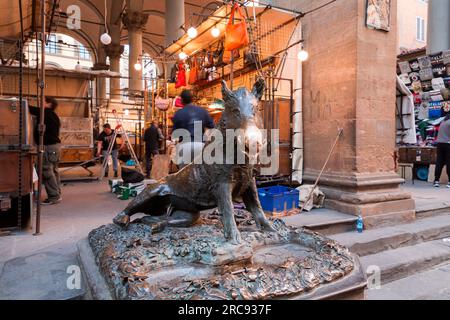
103,141
443,151
52,150
186,118
152,137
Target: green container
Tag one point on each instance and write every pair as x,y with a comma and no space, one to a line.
125,194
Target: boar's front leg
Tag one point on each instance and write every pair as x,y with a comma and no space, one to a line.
139,204
252,203
226,209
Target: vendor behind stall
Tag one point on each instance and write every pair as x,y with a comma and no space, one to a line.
443,151
185,119
52,150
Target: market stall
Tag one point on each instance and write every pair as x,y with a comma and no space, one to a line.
423,96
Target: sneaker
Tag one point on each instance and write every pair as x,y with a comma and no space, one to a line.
48,202
448,185
436,184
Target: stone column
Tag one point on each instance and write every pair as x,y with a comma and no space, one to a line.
101,81
438,26
175,17
135,21
114,52
349,83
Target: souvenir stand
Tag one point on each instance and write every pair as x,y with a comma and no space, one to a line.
426,80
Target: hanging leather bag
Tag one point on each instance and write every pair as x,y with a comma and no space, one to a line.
193,75
236,34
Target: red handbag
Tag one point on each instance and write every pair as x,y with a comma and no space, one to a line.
181,76
236,34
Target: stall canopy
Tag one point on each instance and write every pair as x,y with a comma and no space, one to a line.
219,18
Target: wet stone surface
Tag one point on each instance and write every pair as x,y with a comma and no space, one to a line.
197,262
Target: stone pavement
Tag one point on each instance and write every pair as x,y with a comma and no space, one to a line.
87,205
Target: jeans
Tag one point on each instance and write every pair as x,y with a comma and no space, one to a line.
115,160
148,160
50,174
443,159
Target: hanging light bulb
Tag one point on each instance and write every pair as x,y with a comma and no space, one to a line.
106,39
215,32
127,112
182,55
192,32
137,66
303,55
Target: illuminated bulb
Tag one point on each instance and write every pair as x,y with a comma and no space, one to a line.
106,39
192,32
127,112
215,32
182,55
138,66
303,55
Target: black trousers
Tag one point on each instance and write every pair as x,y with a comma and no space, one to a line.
443,159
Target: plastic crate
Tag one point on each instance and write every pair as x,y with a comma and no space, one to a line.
278,199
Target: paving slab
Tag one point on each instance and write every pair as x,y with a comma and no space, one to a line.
42,276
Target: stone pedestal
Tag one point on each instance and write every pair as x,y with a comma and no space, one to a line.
135,21
198,264
349,83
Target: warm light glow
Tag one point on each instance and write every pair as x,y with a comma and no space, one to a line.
215,32
303,55
138,66
106,39
192,32
182,55
127,112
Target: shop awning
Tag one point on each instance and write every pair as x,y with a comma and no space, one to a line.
220,18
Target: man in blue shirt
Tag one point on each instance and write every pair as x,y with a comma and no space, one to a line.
186,119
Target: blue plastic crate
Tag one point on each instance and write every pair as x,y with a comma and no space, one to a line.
278,199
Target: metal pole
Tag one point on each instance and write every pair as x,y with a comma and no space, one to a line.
42,118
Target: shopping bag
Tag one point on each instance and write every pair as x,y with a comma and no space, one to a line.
236,34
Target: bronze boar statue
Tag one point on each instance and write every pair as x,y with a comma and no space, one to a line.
177,199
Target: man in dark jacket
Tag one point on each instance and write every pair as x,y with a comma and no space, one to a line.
152,137
52,150
186,118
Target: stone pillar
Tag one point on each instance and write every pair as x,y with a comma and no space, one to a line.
114,52
175,18
438,26
115,49
349,82
135,21
101,82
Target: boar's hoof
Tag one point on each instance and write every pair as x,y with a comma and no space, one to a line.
233,236
122,220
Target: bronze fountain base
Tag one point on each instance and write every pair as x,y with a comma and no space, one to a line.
197,263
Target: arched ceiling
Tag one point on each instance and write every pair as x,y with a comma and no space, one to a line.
93,15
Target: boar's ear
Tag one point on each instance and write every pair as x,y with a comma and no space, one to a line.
226,93
258,88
